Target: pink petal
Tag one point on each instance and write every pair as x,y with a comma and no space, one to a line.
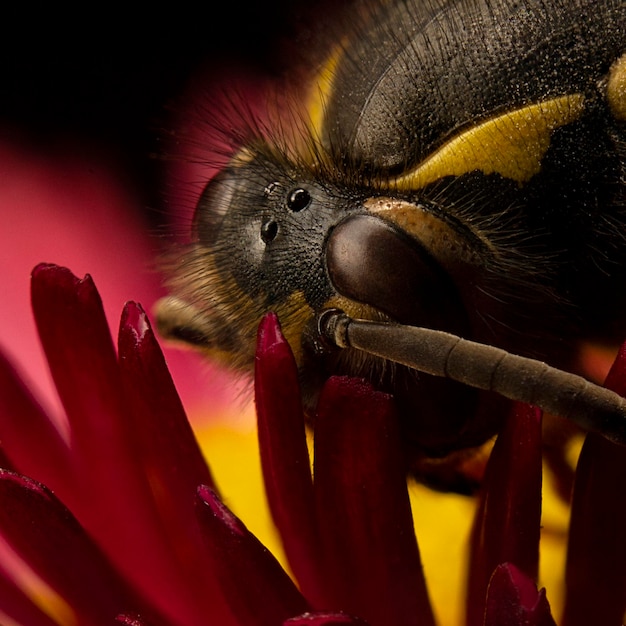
372,559
257,589
285,457
324,619
78,345
595,574
506,528
513,600
45,534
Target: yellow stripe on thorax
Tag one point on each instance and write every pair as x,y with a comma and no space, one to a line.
512,144
616,89
321,92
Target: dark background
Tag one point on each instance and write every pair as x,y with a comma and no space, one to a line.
103,79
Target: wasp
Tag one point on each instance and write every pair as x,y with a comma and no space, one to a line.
459,167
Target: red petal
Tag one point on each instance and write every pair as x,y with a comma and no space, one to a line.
47,537
372,558
616,378
133,620
285,457
513,600
163,430
19,608
324,619
4,461
257,589
506,528
29,439
76,339
595,574
170,454
122,518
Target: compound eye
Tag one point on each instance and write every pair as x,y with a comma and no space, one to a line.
214,204
298,200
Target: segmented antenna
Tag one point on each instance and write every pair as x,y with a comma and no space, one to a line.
591,406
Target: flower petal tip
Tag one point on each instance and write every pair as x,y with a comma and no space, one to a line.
13,482
42,268
355,389
56,274
206,494
131,620
616,378
135,320
524,586
269,333
324,619
513,599
218,510
50,283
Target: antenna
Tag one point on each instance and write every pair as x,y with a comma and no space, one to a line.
435,352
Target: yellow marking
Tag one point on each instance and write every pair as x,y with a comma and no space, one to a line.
512,144
448,246
321,91
243,156
354,309
616,89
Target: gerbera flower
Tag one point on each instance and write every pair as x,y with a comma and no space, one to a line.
149,541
